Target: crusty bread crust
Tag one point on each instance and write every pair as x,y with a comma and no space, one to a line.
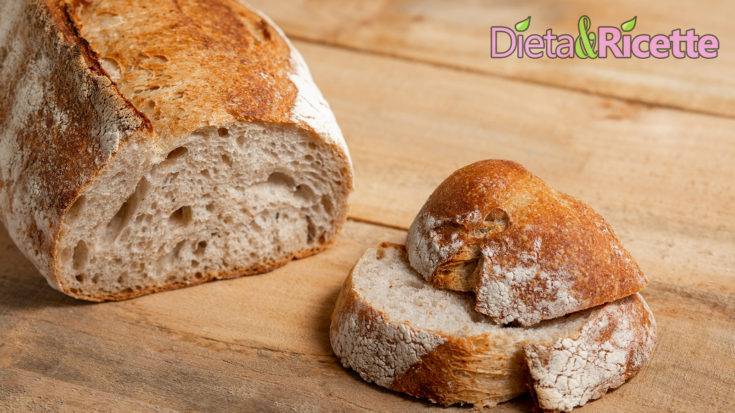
528,252
61,121
485,369
611,348
74,92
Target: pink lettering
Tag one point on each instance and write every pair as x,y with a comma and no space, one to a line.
565,46
708,46
691,39
659,46
608,39
636,46
534,46
495,52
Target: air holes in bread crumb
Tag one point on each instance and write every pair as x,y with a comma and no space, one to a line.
305,192
200,248
327,203
281,179
227,160
79,278
127,209
223,132
241,140
310,230
182,216
177,153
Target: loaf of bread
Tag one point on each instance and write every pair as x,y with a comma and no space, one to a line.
398,331
148,145
526,251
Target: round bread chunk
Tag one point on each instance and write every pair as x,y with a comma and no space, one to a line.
527,252
399,332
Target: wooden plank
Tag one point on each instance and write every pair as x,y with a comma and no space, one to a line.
254,344
261,344
456,33
665,179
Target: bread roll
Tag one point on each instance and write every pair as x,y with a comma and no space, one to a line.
527,252
150,145
399,332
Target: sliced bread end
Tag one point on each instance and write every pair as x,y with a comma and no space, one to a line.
398,331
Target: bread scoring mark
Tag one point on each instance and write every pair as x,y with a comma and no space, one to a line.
58,122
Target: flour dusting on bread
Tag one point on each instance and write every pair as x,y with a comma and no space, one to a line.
607,352
501,288
396,330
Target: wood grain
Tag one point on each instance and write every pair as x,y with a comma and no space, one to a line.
456,34
261,344
664,179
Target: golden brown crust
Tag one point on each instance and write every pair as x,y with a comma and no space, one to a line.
499,230
110,72
599,350
460,372
213,61
61,120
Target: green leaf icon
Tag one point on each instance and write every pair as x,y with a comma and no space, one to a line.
629,25
522,25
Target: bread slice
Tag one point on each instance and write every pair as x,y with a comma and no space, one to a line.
528,252
399,332
149,145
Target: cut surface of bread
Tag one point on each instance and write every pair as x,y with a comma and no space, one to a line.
527,252
223,202
154,145
398,331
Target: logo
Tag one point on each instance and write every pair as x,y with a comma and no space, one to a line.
606,41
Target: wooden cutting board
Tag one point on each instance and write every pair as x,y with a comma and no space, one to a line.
649,144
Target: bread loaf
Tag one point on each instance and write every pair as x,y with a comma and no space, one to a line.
399,332
527,252
149,145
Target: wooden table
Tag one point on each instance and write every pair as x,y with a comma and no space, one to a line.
648,143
